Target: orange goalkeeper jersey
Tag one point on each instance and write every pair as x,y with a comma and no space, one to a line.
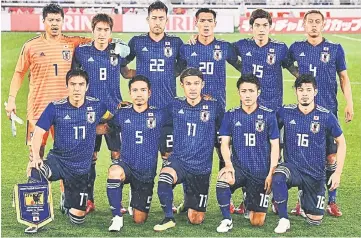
48,64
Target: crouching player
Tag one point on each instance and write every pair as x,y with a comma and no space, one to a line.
305,128
140,127
255,151
74,119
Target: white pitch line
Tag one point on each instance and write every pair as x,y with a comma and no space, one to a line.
287,80
347,37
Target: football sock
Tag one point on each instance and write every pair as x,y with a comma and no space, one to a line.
91,181
224,198
165,193
280,194
114,192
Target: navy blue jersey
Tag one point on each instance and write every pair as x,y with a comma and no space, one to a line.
323,61
103,68
211,61
194,131
266,64
157,61
74,130
251,135
140,134
305,138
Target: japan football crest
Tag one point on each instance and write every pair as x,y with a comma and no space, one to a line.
114,60
325,57
315,127
168,52
151,122
204,116
260,125
271,58
90,117
217,53
66,55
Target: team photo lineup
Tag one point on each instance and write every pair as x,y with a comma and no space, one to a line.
160,102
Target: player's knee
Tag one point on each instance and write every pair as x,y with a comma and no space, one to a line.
139,217
278,178
331,159
115,172
115,155
169,171
314,220
195,217
76,216
257,218
165,155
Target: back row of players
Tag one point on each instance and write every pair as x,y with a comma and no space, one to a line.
161,57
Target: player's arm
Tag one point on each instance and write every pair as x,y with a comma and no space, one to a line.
127,73
21,68
225,134
75,63
293,69
132,53
273,135
78,40
233,59
181,63
289,61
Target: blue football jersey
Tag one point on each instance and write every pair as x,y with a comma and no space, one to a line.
74,130
305,137
251,135
323,61
103,68
158,61
140,134
194,131
266,64
211,61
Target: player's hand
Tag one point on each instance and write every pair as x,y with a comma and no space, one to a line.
123,104
10,106
121,48
348,113
268,184
207,97
36,163
102,129
334,181
192,40
227,173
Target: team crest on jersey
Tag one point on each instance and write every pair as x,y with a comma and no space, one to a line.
168,52
217,54
151,122
90,117
260,125
315,127
325,57
114,60
66,55
271,58
204,116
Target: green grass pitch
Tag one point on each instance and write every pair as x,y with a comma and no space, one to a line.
15,156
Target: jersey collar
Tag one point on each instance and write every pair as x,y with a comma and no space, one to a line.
165,35
254,42
321,43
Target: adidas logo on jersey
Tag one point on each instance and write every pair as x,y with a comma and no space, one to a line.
293,122
127,121
249,53
302,54
194,54
181,111
67,117
91,59
145,49
238,123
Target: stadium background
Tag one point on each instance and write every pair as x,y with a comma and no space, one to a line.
21,21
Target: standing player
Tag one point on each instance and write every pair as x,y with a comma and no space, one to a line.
140,126
195,121
103,66
324,60
305,128
254,133
74,119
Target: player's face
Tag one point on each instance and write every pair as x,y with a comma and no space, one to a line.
53,23
192,86
102,33
313,25
157,20
206,24
139,93
248,93
306,94
77,88
260,29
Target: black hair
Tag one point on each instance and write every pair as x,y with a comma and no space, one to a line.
52,8
313,11
305,78
76,72
157,5
191,72
260,13
206,10
138,78
102,17
248,78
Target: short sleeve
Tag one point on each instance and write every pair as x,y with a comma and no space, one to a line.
291,54
226,129
75,62
47,118
280,117
333,126
273,131
340,59
286,61
232,55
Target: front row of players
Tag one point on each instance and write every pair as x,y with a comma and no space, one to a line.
251,161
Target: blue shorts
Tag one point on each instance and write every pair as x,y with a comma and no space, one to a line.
166,140
313,190
331,146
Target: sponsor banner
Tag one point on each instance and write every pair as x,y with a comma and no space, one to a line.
294,25
292,12
176,23
72,22
5,21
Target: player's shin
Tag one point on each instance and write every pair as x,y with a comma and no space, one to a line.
165,193
114,192
91,182
330,169
224,198
280,194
